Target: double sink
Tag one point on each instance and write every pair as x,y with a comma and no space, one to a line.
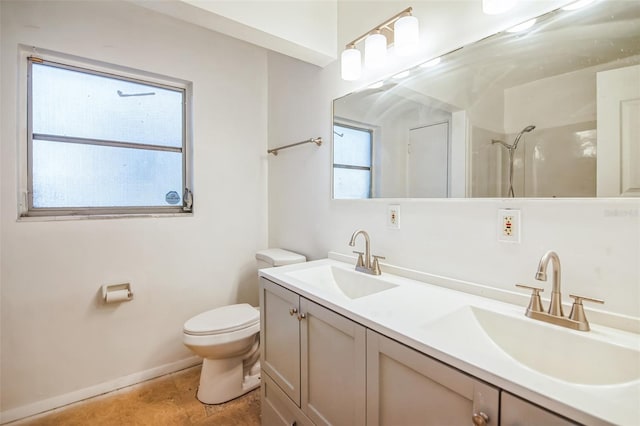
487,335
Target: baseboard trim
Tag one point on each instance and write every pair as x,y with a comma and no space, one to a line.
39,407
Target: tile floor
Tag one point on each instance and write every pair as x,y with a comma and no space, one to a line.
168,400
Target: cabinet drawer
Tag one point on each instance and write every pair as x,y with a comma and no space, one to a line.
515,411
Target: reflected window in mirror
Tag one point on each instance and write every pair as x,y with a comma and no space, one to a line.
352,161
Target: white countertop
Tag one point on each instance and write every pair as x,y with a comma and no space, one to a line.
411,312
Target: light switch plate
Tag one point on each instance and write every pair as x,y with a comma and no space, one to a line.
509,225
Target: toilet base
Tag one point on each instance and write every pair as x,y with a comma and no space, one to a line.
222,380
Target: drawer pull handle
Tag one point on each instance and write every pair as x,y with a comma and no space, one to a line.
292,311
301,317
480,419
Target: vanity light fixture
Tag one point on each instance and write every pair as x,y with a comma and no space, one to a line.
351,63
375,50
496,7
401,30
522,27
407,35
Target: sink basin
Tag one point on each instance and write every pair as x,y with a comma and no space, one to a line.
572,356
343,282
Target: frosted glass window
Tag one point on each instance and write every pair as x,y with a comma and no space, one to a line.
82,175
104,108
352,164
100,143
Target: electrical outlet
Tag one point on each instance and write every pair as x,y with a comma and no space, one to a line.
393,216
509,225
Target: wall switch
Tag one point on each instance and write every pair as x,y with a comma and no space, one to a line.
509,225
393,216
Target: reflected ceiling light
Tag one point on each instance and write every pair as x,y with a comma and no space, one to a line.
495,7
375,50
431,63
351,64
578,4
402,28
402,74
376,85
522,27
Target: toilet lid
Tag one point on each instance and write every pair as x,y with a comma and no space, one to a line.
223,320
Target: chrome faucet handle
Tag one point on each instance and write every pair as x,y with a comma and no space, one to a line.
577,310
360,261
535,304
376,264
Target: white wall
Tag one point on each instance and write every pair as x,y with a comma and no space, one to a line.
598,240
301,29
58,342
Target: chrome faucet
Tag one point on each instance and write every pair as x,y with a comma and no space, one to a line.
577,319
364,263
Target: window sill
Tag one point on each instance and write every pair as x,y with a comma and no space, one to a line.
101,217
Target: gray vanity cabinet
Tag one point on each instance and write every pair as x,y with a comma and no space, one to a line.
406,387
515,411
314,357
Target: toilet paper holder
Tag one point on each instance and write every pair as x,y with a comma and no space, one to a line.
113,293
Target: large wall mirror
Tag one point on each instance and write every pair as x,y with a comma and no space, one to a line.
549,111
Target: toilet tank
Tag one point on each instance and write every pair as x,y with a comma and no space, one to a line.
277,257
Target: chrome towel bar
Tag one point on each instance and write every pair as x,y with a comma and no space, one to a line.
317,141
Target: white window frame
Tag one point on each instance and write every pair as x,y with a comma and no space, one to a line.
26,209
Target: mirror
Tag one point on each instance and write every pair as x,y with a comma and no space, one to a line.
551,111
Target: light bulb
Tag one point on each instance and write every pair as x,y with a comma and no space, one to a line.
495,7
406,35
375,50
351,65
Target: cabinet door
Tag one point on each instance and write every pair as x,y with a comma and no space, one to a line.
280,337
405,387
277,408
518,412
333,367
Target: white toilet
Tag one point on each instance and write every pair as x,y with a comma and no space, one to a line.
228,340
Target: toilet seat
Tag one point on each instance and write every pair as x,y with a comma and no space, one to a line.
226,319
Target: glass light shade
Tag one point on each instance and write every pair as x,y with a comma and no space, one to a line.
351,65
495,7
375,50
406,35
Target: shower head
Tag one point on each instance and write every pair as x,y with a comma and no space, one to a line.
525,130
